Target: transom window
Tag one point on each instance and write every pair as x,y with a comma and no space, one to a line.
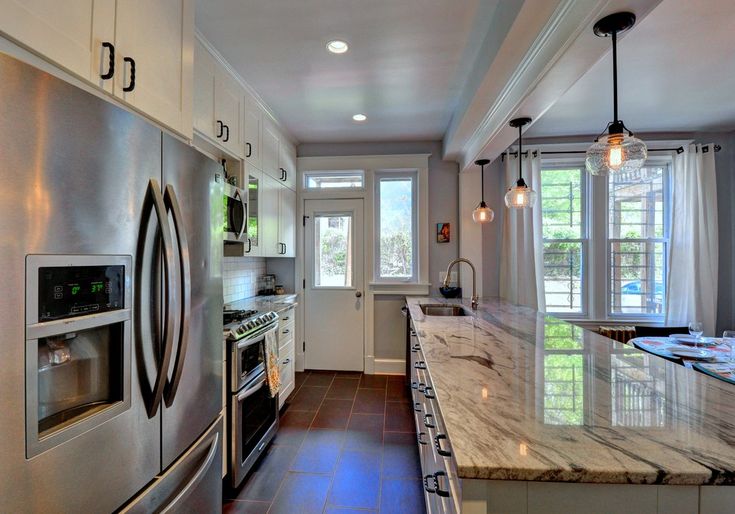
347,179
395,226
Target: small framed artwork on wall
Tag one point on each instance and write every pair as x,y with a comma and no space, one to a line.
442,233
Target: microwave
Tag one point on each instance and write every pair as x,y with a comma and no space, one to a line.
235,203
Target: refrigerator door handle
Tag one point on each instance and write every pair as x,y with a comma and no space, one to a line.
244,212
172,203
168,332
198,476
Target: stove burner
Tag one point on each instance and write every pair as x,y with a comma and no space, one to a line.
237,315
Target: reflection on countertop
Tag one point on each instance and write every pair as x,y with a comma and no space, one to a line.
526,396
278,303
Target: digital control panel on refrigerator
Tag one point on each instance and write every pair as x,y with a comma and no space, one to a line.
69,291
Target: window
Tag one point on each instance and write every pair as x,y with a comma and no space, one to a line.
348,179
564,227
395,226
333,251
628,229
637,242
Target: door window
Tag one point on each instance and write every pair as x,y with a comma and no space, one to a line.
333,250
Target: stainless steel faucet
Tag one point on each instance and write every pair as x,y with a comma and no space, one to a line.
475,299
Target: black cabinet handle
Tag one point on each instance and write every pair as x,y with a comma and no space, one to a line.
420,438
416,348
414,385
429,421
422,387
284,248
250,150
419,365
439,491
227,134
438,438
429,393
430,483
131,84
250,246
111,61
286,331
221,128
283,173
417,407
286,361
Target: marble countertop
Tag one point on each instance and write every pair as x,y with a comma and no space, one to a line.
526,396
278,303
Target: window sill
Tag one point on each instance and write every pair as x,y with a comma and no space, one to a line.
400,288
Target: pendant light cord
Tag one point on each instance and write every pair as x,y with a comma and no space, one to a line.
482,183
615,73
520,152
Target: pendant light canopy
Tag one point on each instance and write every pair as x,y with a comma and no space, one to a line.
520,196
482,213
618,151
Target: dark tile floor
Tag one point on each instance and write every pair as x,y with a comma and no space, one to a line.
346,444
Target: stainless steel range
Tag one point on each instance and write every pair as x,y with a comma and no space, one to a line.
252,412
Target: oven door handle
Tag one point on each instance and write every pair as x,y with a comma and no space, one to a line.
238,196
247,341
251,390
172,203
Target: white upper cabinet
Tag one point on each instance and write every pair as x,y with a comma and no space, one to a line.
287,221
269,213
203,112
270,146
287,164
138,50
227,111
252,116
154,53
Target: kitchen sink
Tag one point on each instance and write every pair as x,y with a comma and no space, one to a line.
440,309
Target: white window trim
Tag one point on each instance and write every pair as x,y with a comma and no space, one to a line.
597,255
308,174
397,174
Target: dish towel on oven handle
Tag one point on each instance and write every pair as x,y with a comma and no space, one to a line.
272,369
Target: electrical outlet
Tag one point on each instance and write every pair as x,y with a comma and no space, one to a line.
452,277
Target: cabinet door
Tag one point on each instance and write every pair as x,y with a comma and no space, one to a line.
203,113
269,209
227,102
287,220
159,37
270,146
255,214
59,31
287,163
251,131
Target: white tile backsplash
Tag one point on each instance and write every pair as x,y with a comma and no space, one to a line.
240,277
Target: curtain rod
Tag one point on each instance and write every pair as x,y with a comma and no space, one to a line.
680,149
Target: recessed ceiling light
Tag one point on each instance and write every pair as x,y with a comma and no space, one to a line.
359,117
337,46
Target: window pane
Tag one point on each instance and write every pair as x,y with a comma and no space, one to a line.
333,251
396,227
637,277
353,179
561,203
637,204
563,276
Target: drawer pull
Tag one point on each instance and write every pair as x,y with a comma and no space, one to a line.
414,385
439,491
285,319
417,407
422,387
286,361
419,365
420,438
286,331
415,348
429,421
429,393
438,445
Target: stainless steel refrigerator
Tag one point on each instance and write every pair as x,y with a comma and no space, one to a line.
110,314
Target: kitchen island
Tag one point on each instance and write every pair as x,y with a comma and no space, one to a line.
520,412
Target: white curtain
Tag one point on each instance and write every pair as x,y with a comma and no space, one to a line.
692,280
522,252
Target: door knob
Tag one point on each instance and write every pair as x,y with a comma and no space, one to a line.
358,294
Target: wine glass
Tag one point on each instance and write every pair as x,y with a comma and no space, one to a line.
728,337
696,329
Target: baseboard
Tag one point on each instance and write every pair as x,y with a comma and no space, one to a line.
389,367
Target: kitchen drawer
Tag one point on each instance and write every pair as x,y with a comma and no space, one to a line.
286,317
288,377
285,332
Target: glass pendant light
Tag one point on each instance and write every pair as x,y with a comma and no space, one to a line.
482,213
520,196
615,152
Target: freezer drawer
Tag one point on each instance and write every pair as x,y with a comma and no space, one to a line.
193,483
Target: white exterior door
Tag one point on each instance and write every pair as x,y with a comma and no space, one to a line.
334,302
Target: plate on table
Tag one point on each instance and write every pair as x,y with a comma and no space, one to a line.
690,353
691,340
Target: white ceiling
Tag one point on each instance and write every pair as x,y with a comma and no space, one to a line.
407,62
676,73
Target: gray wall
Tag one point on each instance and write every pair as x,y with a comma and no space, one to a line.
492,233
443,190
725,164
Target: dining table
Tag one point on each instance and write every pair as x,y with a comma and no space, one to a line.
715,359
